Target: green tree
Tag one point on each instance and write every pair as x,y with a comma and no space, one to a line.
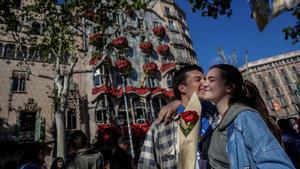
217,8
59,30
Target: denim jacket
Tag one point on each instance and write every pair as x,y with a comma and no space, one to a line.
252,145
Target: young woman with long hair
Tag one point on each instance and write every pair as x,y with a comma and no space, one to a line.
245,136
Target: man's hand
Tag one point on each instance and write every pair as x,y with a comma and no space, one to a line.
168,112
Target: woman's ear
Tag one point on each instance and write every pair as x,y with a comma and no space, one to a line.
229,88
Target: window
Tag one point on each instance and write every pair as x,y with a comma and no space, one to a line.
170,79
283,101
259,77
155,24
286,79
283,71
117,18
267,93
290,89
102,111
147,59
140,23
18,81
167,10
139,107
27,121
152,82
294,69
172,25
278,92
274,83
270,75
71,119
9,51
36,28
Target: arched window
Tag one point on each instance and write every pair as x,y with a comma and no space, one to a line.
102,111
140,109
36,28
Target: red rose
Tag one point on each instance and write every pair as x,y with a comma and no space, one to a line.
189,116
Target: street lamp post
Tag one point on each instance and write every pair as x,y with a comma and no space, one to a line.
127,116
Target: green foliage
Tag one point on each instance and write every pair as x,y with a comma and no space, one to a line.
216,8
212,8
293,32
60,25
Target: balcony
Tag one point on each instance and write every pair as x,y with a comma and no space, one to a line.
172,15
176,41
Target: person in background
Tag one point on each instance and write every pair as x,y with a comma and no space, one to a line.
58,163
290,140
83,158
120,158
33,158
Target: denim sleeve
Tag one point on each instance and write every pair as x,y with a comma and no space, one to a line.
265,149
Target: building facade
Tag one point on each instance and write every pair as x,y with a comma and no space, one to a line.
178,31
140,60
277,79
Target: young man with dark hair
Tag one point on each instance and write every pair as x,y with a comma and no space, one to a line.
160,149
83,157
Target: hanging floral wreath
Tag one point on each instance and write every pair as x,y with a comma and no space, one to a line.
159,31
123,66
146,47
120,42
96,57
150,68
89,14
167,66
163,49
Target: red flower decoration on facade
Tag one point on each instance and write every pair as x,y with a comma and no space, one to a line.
120,42
89,14
159,31
96,39
163,49
167,66
123,66
150,68
170,94
146,47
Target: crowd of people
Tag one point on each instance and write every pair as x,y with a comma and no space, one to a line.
236,131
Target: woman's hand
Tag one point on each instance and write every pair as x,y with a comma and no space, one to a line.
168,112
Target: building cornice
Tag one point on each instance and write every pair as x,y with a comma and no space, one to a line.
270,59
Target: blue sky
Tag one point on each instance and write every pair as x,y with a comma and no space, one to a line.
237,32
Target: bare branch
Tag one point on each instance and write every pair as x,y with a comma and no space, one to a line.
39,75
82,71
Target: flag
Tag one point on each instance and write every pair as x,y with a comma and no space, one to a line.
263,11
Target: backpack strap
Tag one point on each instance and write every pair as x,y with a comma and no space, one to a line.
230,129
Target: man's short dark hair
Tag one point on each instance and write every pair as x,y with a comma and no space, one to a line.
123,140
78,140
180,77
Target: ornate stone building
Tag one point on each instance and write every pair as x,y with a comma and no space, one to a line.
277,78
145,49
